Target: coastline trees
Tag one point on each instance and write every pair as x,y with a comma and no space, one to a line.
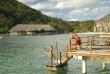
13,12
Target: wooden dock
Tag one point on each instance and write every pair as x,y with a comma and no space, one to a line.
91,48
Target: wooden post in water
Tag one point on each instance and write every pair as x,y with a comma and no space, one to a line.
67,52
90,45
56,53
87,41
60,58
98,39
69,45
93,39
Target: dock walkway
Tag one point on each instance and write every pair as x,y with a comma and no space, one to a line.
87,50
93,54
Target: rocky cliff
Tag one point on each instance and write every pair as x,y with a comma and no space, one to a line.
103,24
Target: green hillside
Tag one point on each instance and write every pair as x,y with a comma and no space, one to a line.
13,12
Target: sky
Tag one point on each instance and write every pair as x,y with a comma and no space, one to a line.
71,10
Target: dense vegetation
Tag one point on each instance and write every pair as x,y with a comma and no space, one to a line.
13,12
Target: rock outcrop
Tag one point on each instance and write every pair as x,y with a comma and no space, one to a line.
103,24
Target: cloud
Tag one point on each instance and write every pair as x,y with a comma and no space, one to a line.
43,5
100,10
87,11
78,12
69,9
52,13
73,20
26,1
102,2
75,4
101,16
64,4
49,13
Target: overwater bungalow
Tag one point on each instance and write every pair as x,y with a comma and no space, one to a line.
31,29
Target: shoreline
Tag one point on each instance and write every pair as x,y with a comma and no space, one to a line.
93,33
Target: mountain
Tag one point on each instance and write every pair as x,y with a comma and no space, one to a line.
13,12
102,24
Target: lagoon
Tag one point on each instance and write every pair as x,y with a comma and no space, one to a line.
24,55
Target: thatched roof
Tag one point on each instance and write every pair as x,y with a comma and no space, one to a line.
29,27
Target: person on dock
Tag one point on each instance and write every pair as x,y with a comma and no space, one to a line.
51,55
75,37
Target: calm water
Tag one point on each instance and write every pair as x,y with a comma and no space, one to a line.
24,55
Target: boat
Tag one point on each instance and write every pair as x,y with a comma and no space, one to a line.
51,67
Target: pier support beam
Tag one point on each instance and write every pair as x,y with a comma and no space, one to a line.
84,67
104,65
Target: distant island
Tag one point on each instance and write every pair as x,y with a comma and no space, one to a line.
13,12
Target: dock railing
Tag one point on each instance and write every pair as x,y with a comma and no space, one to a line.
89,43
64,52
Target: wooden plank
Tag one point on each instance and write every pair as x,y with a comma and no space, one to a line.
92,51
102,46
95,46
66,59
90,54
51,68
102,51
104,35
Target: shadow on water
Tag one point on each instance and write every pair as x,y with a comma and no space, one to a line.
104,71
63,70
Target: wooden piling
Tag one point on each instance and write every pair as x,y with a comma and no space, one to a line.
93,40
98,39
90,45
69,45
87,41
60,58
56,54
67,53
